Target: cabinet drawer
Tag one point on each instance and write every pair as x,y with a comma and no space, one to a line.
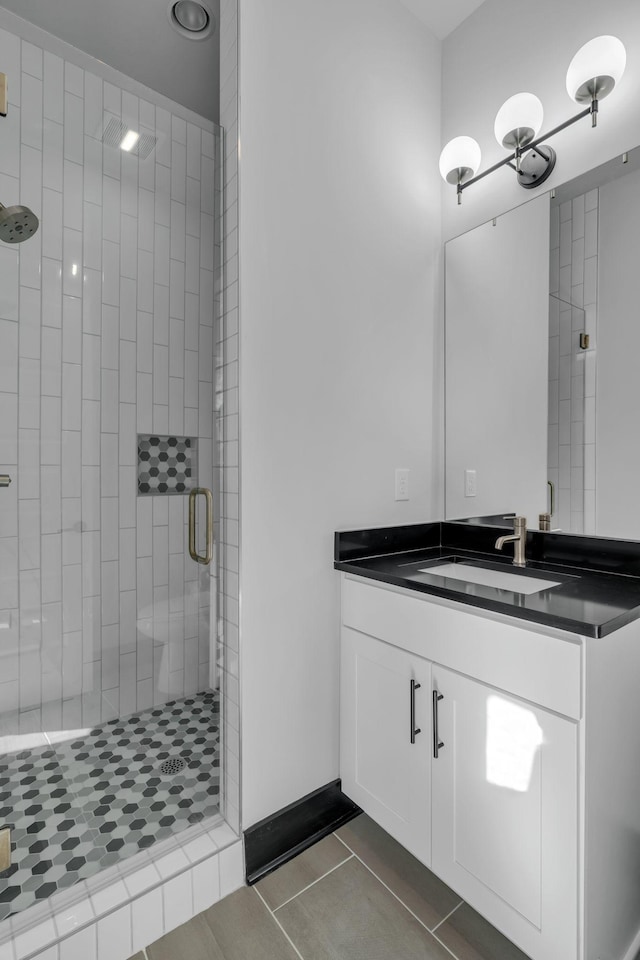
537,666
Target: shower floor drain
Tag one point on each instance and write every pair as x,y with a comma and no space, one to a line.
172,766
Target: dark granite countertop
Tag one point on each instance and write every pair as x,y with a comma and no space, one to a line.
598,579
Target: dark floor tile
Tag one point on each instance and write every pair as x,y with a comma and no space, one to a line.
192,941
238,928
425,895
349,915
470,937
261,936
294,876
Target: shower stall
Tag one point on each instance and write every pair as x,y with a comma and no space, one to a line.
110,388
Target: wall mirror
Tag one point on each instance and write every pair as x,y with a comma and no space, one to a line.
542,359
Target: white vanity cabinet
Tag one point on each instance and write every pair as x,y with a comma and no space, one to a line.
529,810
505,812
386,728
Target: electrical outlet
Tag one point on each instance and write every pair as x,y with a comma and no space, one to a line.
402,483
470,483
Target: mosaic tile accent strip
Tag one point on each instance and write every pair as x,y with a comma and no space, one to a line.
77,807
166,464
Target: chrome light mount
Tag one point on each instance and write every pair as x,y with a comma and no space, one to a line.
536,166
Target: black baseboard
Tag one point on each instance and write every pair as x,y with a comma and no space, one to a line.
285,834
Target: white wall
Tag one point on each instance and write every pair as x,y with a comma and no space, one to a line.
505,47
339,242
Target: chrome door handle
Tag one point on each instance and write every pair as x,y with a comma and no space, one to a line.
208,496
552,497
412,709
437,742
5,480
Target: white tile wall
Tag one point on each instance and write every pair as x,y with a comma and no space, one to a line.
226,398
572,371
128,907
93,349
84,308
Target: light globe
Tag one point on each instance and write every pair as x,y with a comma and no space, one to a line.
596,68
518,120
460,160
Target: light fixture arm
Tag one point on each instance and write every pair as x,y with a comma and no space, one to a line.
591,110
593,73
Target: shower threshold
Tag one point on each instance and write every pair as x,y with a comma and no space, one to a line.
77,807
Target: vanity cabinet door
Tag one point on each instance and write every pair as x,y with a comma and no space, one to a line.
382,770
505,813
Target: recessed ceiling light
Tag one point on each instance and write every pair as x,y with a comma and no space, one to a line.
191,18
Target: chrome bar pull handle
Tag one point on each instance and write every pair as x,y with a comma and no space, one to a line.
208,496
5,479
412,704
437,742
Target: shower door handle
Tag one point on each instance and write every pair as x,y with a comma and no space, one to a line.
208,497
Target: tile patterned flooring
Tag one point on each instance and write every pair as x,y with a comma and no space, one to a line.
82,805
356,895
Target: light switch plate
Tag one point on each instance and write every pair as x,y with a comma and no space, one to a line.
402,483
470,483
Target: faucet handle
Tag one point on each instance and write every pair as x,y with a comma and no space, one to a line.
519,524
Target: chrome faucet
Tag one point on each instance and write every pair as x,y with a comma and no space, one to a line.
518,538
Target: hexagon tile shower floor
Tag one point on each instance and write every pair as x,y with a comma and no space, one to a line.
77,807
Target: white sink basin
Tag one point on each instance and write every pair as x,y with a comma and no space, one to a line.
503,580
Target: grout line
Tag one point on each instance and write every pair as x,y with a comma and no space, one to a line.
344,844
444,919
313,883
448,949
393,894
356,857
272,914
439,924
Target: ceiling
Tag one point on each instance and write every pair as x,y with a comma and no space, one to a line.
135,37
442,16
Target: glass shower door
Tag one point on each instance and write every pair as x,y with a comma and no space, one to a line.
109,707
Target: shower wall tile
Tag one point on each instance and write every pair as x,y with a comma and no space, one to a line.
572,383
224,390
105,330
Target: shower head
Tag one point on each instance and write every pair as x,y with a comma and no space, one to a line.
17,224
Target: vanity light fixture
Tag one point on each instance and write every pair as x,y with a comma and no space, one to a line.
593,73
